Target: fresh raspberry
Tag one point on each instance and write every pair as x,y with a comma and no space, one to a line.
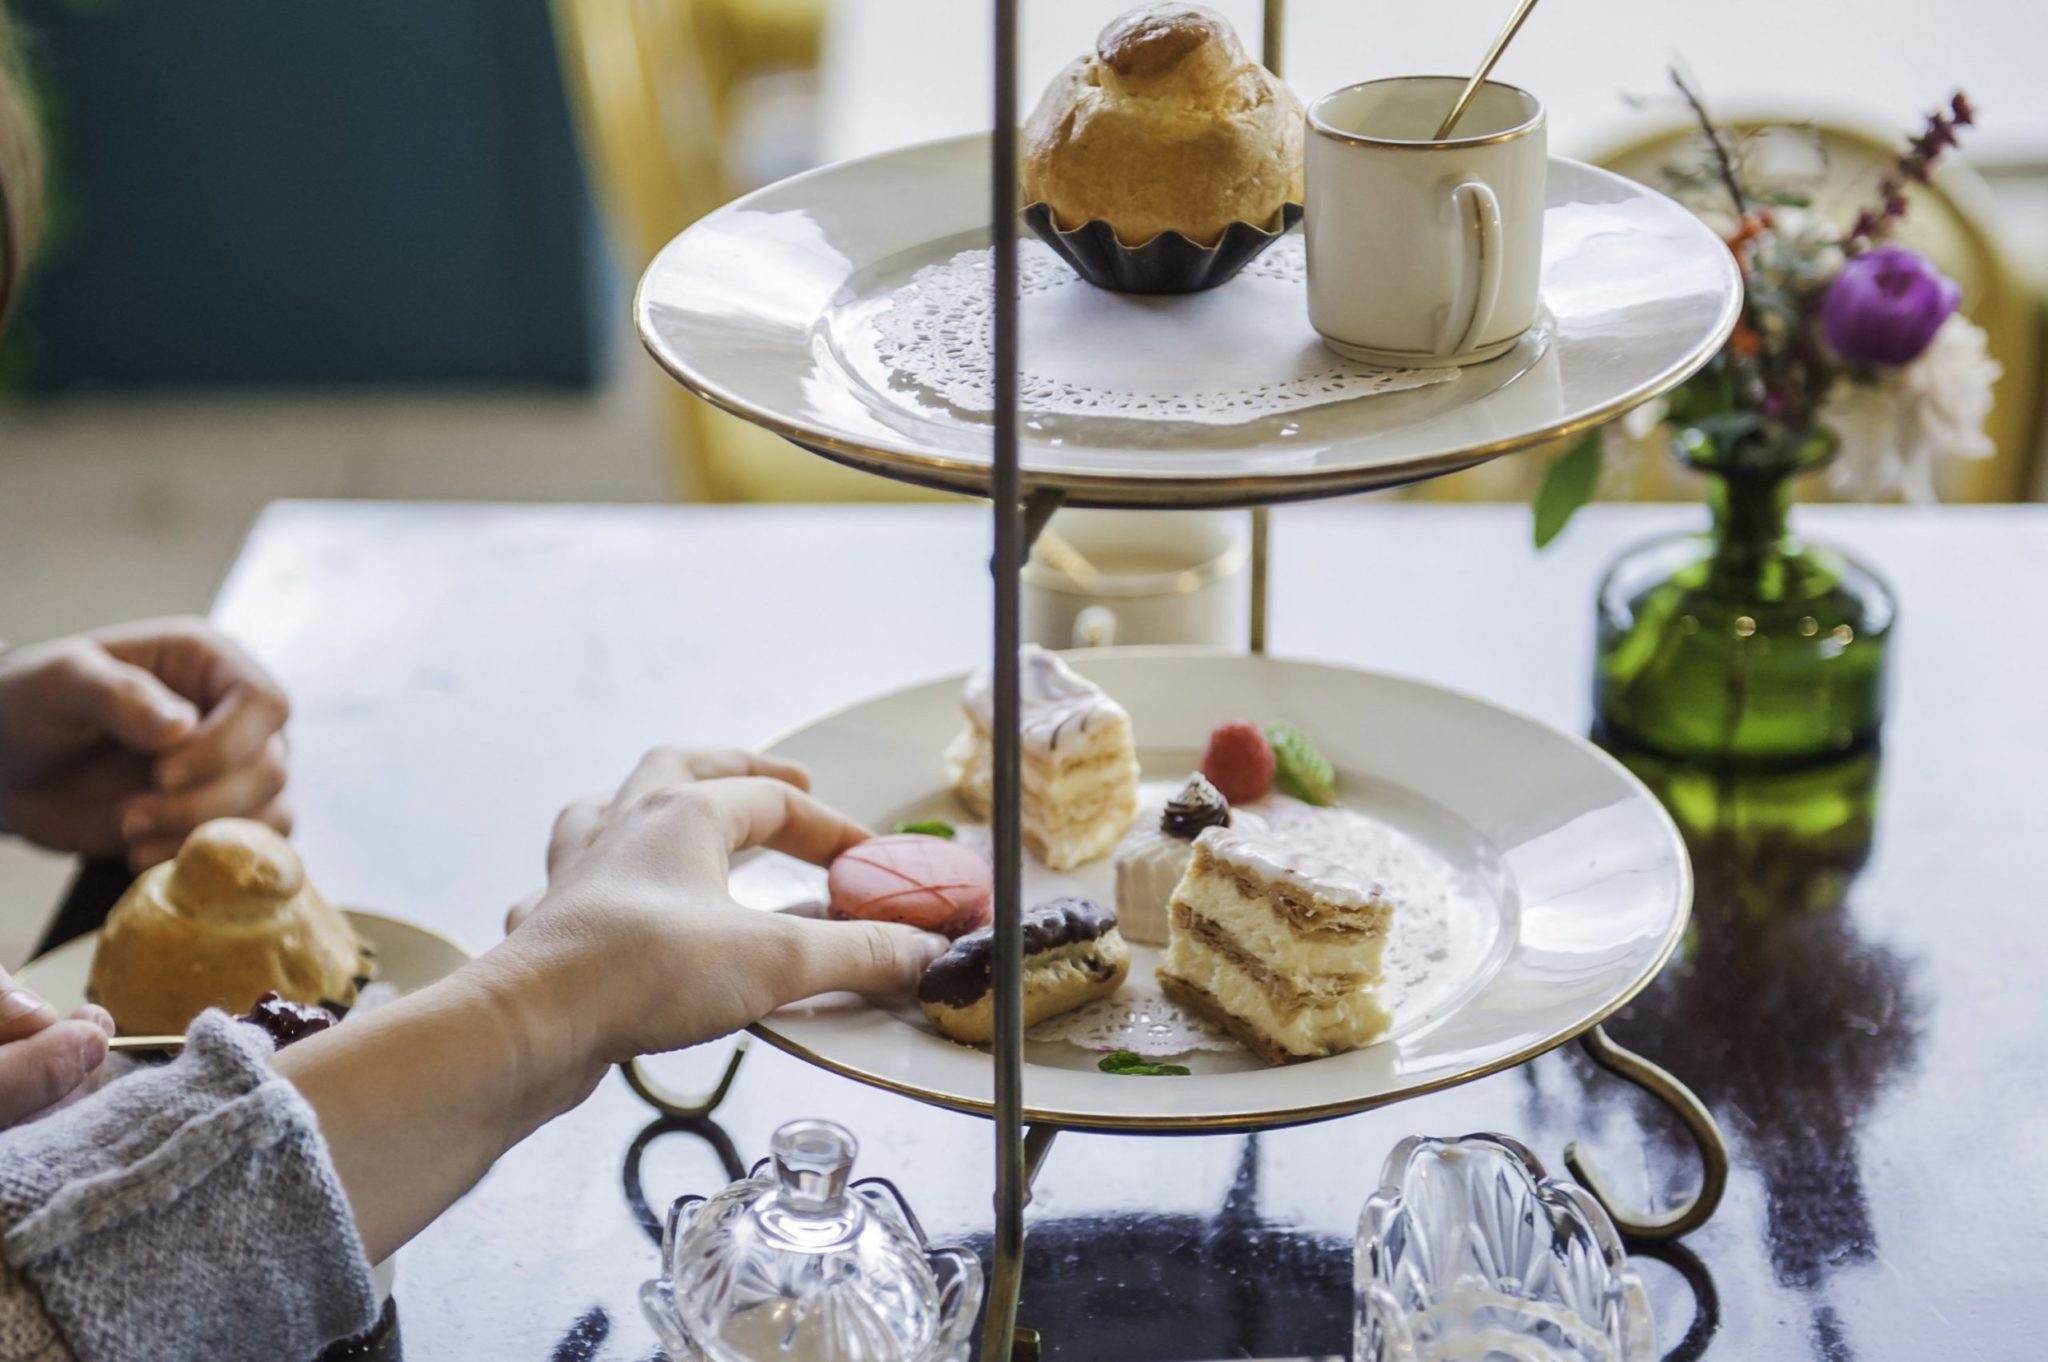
1239,762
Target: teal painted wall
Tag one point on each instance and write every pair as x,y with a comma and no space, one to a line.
275,192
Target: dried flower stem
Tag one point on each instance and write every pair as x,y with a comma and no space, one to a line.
1916,164
1724,160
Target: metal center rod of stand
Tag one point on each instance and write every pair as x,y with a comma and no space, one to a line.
1006,497
1016,1161
1272,42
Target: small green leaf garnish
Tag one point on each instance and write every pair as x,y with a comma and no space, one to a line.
930,827
1567,484
1299,769
1130,1062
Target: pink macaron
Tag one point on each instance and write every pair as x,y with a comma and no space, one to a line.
926,882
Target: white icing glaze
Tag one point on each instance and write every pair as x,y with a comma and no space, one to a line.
1059,707
1265,858
1149,865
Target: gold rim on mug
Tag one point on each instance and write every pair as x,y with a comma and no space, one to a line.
1138,586
1359,139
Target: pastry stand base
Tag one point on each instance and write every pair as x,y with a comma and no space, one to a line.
1699,1123
1644,1229
1006,1276
1006,1272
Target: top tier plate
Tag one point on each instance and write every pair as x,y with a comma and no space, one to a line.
758,308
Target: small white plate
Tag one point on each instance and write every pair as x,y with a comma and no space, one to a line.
409,957
766,308
1575,886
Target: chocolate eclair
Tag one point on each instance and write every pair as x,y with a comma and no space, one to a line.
1073,954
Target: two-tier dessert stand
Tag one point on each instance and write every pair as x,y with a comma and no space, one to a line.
757,308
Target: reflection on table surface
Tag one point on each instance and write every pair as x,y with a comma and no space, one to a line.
1855,998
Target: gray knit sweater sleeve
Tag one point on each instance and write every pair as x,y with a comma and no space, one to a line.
187,1211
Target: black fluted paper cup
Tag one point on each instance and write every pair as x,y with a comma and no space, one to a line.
1168,263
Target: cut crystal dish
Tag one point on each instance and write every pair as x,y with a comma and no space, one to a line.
1468,1253
794,1264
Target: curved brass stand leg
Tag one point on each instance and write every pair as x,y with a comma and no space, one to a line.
683,1108
1699,1122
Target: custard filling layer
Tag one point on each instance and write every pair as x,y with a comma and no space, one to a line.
1344,1022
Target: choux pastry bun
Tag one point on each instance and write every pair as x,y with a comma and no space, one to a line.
228,919
1167,126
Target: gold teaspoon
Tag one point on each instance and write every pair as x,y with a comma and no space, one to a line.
1500,45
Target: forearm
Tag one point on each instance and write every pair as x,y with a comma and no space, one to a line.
417,1099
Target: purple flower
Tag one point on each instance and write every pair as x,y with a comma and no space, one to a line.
1885,306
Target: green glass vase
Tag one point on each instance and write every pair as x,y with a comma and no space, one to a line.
1745,646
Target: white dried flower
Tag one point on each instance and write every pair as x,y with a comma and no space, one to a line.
1896,429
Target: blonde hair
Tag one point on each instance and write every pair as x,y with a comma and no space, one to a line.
21,169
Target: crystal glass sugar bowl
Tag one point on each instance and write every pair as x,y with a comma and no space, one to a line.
796,1264
1468,1253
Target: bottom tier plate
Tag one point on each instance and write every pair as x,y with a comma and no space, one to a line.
1560,888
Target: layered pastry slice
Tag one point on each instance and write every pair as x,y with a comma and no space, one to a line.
1080,773
1279,948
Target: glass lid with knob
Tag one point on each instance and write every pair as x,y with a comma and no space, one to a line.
797,1264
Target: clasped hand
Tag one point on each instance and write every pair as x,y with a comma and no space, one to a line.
118,743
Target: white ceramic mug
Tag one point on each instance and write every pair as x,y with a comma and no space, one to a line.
1147,577
1423,252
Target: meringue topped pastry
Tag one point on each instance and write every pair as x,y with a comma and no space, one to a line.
1152,859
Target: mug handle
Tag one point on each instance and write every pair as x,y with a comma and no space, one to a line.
1095,627
1477,212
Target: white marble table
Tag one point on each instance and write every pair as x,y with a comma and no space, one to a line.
459,672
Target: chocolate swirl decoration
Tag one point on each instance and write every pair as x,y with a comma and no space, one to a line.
967,969
1199,805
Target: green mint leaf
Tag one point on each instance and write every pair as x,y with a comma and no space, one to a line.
1298,768
1127,1062
930,827
1567,485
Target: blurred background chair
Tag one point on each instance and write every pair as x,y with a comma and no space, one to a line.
659,91
1951,220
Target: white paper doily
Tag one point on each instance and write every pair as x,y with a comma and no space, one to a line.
1231,354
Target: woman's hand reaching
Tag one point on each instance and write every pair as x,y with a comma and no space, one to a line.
635,946
638,924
